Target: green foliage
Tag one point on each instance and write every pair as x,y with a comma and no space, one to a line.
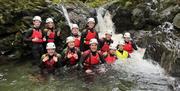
56,1
96,3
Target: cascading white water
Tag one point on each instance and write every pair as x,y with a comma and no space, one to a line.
147,73
106,24
66,15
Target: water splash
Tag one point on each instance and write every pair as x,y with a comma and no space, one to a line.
147,73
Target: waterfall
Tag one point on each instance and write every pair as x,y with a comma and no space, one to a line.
66,16
106,24
147,71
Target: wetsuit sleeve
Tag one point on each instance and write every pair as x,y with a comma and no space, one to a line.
97,36
134,45
63,58
27,36
44,33
101,42
59,62
79,54
83,35
82,59
102,59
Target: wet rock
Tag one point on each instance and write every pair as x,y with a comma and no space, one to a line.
176,20
162,46
122,20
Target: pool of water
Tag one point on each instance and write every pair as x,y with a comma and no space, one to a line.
122,76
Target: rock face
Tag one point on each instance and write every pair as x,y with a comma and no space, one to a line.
159,36
143,14
163,46
176,20
16,18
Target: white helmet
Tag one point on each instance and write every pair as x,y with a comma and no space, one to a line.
127,34
50,45
69,39
74,26
92,41
112,46
38,18
108,32
121,42
91,20
49,20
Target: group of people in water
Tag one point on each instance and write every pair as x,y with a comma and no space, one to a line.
84,51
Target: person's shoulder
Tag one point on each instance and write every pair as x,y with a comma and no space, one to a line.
29,30
87,52
44,55
64,50
84,31
45,30
126,52
58,55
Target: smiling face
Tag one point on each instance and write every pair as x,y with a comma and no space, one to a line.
36,23
120,47
108,36
50,24
91,24
93,47
75,31
51,51
127,39
71,44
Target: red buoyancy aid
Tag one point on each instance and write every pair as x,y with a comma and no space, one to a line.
90,35
128,47
93,60
51,37
49,63
105,47
77,42
37,34
110,59
72,60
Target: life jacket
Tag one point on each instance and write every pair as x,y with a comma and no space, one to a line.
105,46
122,56
51,37
49,64
72,60
77,42
110,59
92,60
37,34
128,47
90,35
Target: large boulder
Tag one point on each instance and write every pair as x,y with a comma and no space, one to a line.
163,46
